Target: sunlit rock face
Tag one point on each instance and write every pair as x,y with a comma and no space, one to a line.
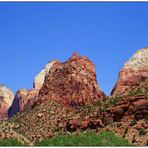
138,60
40,77
72,82
134,71
6,98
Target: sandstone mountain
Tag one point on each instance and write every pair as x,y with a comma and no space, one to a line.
6,98
72,83
134,71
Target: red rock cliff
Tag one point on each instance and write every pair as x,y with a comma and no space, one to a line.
71,83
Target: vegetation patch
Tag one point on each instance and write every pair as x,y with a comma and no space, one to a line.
10,142
113,101
133,122
85,139
146,118
142,131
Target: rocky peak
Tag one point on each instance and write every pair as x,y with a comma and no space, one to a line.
6,98
134,71
74,56
139,59
72,82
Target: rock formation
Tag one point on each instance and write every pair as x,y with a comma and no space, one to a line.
6,98
39,79
71,83
133,72
25,98
132,89
130,107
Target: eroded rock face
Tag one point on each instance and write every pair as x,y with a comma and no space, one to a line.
26,98
131,107
133,73
71,83
75,124
6,98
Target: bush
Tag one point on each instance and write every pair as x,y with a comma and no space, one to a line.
146,118
133,122
142,131
10,142
85,139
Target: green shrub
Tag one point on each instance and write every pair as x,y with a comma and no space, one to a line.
142,131
113,101
10,142
133,122
85,139
146,118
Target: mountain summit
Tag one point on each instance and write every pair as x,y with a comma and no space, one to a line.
134,71
139,59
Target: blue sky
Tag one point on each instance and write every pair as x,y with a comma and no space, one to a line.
31,34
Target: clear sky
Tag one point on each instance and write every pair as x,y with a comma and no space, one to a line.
31,34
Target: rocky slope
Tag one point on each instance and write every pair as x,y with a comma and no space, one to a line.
134,71
51,118
6,98
25,98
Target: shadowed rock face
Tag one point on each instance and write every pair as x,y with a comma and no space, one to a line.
6,98
25,98
22,100
133,73
71,83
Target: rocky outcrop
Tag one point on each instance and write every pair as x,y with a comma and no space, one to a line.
6,98
26,98
76,124
130,107
132,85
71,83
133,73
